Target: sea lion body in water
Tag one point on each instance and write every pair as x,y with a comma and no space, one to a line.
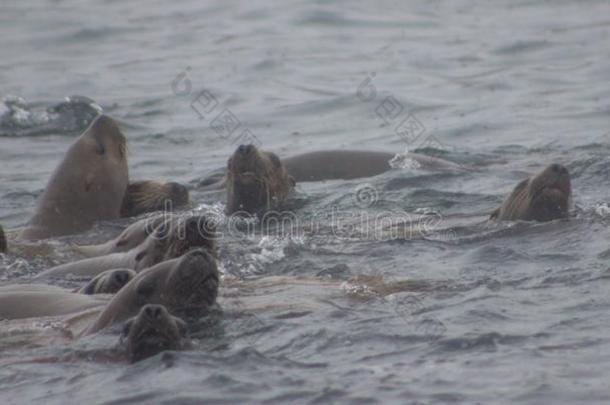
131,237
342,165
170,240
188,285
86,187
3,244
354,164
189,282
256,181
35,300
149,196
544,197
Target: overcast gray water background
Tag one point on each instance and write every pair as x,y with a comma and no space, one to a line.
520,312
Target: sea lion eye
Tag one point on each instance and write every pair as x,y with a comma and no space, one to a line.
140,256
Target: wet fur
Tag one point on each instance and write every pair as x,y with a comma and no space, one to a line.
149,196
544,197
256,181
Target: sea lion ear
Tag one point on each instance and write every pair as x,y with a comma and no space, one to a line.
275,159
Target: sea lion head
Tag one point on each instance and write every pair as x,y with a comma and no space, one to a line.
3,245
256,181
152,331
184,286
174,237
149,196
87,186
107,138
549,193
108,282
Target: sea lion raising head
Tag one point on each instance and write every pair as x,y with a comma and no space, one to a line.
256,181
87,186
109,282
182,285
152,331
150,196
544,197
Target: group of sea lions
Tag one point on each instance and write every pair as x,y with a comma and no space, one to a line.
162,268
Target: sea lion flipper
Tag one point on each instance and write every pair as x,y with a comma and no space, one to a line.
495,214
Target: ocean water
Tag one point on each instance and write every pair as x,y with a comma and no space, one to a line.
497,313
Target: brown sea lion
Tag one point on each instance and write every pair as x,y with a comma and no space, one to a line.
353,164
87,186
108,282
341,165
256,181
169,240
131,237
152,331
179,284
149,196
3,244
544,197
182,285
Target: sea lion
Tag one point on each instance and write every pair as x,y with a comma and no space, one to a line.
3,244
35,300
353,164
340,165
544,197
169,240
149,196
87,186
256,181
152,331
189,282
131,237
108,282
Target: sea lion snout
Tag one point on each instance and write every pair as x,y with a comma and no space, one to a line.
154,312
152,331
122,277
559,169
246,149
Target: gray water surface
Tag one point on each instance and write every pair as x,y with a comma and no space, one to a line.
517,312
